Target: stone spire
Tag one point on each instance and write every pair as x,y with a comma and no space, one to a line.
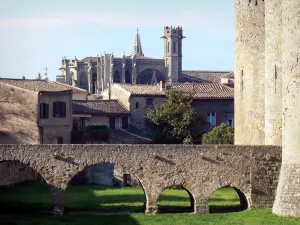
137,48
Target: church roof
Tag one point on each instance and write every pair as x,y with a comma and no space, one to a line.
98,107
40,85
202,76
199,91
137,47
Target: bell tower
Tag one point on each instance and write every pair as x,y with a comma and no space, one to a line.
173,52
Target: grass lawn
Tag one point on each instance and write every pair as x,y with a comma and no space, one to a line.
29,200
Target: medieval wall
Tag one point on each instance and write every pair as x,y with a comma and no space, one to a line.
287,198
273,77
201,169
249,72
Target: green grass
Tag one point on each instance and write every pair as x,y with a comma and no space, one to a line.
28,200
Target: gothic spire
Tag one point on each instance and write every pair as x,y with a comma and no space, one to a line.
137,48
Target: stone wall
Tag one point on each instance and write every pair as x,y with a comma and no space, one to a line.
200,169
273,68
249,93
288,192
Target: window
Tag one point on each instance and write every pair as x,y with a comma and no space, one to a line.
59,140
149,101
137,104
211,118
59,109
229,119
168,47
44,110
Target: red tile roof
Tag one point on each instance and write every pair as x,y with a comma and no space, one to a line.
98,107
199,91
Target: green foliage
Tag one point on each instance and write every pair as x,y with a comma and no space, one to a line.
174,121
222,134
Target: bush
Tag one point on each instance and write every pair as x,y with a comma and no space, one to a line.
222,134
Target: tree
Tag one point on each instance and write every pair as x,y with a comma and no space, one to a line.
174,121
221,134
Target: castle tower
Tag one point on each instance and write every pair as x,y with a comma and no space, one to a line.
137,47
287,202
173,52
273,100
249,72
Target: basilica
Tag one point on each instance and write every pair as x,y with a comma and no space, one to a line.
95,74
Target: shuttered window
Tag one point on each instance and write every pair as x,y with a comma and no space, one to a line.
211,118
44,110
59,109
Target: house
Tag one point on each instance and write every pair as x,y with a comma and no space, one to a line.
213,102
36,111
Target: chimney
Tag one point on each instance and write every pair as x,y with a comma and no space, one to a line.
162,86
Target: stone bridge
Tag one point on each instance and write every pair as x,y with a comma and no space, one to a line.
252,171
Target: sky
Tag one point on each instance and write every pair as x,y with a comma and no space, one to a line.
35,34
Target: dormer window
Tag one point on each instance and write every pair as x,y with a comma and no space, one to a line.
59,109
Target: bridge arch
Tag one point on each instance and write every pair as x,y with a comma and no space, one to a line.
136,176
242,193
176,188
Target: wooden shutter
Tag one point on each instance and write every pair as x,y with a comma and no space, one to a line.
46,111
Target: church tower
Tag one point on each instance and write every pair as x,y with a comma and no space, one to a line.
137,47
173,52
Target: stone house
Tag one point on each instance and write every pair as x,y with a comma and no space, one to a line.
213,102
36,111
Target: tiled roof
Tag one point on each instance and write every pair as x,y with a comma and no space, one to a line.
199,91
40,85
98,107
87,59
228,75
202,76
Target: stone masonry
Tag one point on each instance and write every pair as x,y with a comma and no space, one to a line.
201,169
287,201
249,93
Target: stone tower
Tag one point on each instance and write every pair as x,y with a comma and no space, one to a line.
249,66
287,201
273,33
173,52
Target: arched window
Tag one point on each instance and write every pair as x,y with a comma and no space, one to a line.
174,47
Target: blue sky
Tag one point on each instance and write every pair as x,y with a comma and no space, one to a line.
38,33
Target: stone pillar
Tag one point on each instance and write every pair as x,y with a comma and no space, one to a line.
273,32
99,80
90,67
249,67
134,73
58,201
287,200
123,69
201,206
